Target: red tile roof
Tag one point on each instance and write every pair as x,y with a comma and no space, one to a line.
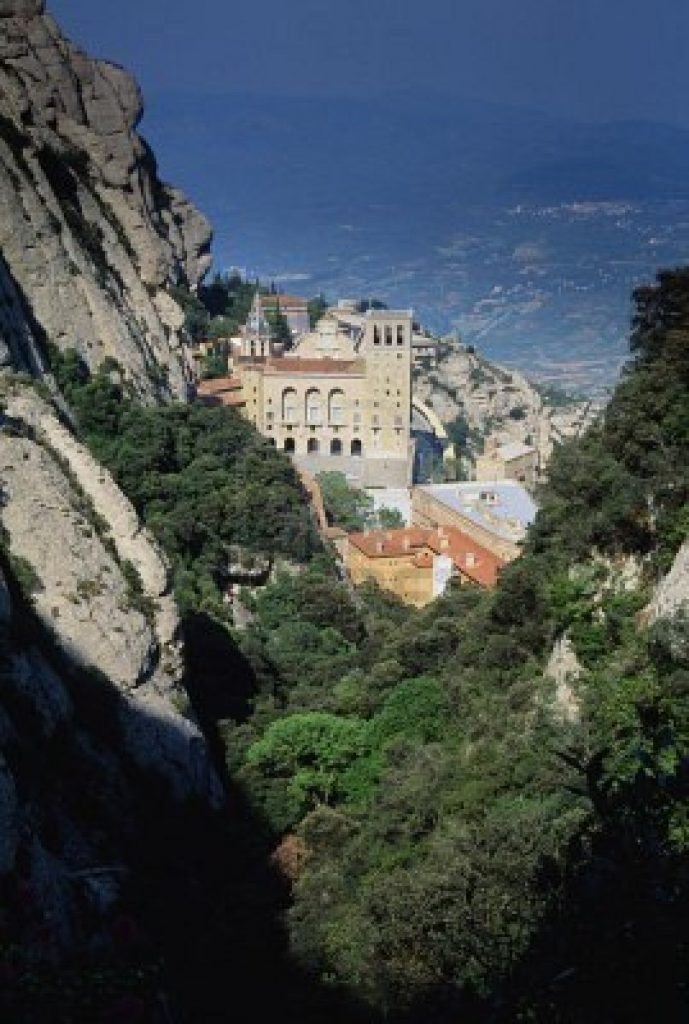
390,543
472,560
218,385
286,302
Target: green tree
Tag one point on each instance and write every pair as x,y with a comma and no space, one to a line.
346,506
313,752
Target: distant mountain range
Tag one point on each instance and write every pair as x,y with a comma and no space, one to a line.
525,232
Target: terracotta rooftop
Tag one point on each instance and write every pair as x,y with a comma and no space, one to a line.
337,367
218,385
390,543
471,559
284,301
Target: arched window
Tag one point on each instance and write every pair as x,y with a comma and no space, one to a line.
336,407
336,446
289,405
314,409
289,445
312,446
356,448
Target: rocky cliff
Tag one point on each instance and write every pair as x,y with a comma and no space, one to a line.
492,400
90,239
92,675
95,738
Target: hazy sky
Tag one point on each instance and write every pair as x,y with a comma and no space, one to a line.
588,58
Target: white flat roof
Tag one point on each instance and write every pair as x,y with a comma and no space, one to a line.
503,507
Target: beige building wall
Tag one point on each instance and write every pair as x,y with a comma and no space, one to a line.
411,583
326,342
428,512
315,413
354,418
523,469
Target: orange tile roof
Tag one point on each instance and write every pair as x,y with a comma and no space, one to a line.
285,301
217,385
389,543
472,560
332,366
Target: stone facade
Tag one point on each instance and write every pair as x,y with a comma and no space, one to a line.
339,401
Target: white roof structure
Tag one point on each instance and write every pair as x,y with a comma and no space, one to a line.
502,507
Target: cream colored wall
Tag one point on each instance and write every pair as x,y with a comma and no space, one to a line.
412,584
325,342
488,467
274,387
252,391
377,401
388,383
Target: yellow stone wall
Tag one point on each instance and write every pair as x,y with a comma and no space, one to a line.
412,584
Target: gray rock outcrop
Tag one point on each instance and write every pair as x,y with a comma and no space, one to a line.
90,239
564,670
496,401
671,596
101,587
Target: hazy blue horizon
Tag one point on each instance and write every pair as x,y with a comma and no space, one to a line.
611,61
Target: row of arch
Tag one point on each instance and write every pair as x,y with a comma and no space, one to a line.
313,446
313,406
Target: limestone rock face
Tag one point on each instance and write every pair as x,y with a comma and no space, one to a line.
90,239
497,401
101,587
70,745
21,8
564,670
671,597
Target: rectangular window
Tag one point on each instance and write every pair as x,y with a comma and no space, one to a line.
376,334
388,335
400,334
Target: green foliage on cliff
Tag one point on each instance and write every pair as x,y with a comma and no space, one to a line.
201,479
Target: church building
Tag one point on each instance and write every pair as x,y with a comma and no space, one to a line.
339,400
